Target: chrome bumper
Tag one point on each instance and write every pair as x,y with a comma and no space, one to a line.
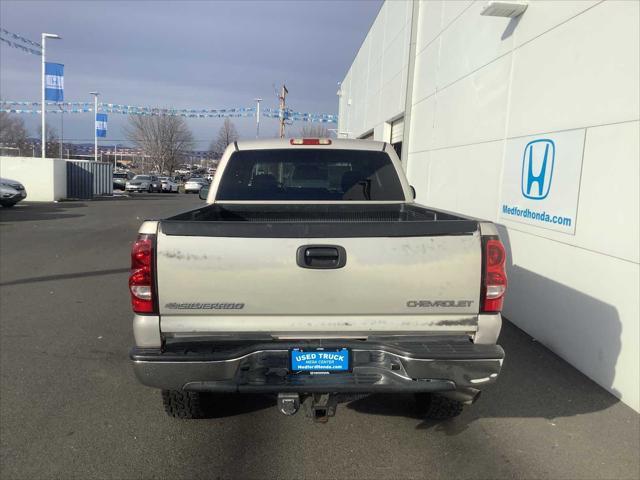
461,368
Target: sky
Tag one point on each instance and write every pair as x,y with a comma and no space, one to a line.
186,54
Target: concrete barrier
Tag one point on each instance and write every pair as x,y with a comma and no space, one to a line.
45,180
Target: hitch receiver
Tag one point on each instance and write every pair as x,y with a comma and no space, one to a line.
321,406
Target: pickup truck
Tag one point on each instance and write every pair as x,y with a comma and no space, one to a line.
311,274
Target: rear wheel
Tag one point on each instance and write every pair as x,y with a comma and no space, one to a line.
437,407
181,404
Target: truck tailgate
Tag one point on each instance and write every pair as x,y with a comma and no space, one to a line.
209,284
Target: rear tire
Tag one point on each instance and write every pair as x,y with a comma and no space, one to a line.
437,407
181,404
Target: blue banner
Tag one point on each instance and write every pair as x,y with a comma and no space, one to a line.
101,124
54,82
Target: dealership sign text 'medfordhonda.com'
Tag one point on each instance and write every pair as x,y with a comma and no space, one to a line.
541,180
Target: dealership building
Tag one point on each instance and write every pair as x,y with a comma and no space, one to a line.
530,121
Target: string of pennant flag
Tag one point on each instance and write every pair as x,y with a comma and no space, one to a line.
21,43
288,113
20,38
9,106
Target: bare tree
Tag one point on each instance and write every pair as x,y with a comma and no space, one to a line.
165,139
226,136
314,131
13,134
52,149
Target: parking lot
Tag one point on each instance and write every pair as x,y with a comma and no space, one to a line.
71,407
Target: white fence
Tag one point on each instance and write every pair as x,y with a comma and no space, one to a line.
45,180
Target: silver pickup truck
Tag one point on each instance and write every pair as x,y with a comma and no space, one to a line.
311,274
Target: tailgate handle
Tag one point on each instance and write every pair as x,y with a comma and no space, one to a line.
321,256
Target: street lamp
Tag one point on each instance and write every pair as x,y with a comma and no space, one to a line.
95,120
257,100
43,106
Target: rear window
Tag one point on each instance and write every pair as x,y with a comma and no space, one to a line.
120,175
142,177
310,174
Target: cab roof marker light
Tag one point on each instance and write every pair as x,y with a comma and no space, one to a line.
310,141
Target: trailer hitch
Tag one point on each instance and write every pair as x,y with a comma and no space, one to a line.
321,406
318,406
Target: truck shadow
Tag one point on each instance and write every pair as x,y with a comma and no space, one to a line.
231,405
534,382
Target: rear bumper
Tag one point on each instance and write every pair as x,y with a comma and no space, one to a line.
438,365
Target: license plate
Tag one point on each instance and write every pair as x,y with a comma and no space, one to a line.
320,360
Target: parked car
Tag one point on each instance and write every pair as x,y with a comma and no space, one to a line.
120,180
168,184
144,183
11,192
194,184
308,290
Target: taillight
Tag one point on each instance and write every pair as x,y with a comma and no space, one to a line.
494,276
141,278
310,141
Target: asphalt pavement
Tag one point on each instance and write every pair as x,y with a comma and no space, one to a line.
70,406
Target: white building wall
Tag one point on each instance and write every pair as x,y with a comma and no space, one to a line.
45,180
564,70
373,91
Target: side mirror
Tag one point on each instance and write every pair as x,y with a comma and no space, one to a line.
413,191
204,192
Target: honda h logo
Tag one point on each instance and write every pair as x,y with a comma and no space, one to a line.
537,168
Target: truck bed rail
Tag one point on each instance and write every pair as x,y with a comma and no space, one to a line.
316,221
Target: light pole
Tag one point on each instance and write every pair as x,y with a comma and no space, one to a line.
257,100
95,119
43,106
61,128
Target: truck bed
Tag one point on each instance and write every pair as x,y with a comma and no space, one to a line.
317,220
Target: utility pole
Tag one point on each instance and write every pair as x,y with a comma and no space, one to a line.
283,105
61,129
95,120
